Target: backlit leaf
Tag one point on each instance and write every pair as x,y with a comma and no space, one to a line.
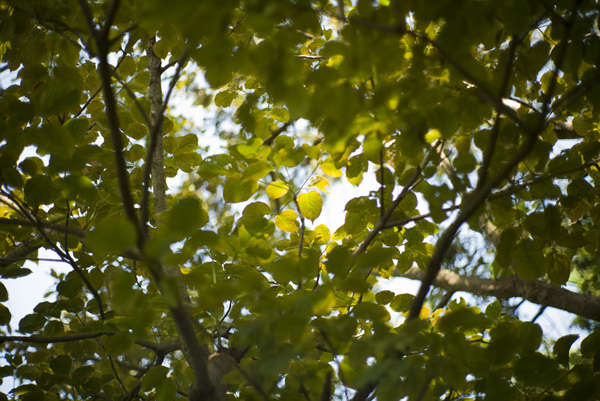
310,204
277,189
112,235
239,190
287,221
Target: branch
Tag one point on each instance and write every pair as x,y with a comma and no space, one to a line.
78,232
103,47
491,147
154,153
52,340
160,348
276,133
540,293
382,222
483,189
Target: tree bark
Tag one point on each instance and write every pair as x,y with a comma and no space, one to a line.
540,293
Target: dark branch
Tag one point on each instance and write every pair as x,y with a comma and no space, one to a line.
52,340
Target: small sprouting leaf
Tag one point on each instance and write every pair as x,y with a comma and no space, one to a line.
238,190
112,235
187,216
154,377
280,114
319,182
287,221
310,204
277,189
562,347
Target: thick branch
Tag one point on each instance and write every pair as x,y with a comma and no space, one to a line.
52,340
537,292
157,154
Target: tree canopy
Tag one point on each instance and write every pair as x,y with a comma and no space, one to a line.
479,119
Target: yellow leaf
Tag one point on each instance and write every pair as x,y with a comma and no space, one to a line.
277,189
319,182
310,204
287,221
330,169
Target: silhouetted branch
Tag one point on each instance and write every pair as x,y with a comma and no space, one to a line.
52,340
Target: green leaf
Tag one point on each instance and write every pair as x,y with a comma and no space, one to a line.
401,302
187,143
590,345
277,189
187,216
61,364
371,311
280,114
562,347
558,268
32,322
154,377
239,190
224,98
355,222
529,260
14,271
535,369
166,391
39,190
256,170
112,235
310,204
59,98
3,293
5,315
119,343
287,221
493,310
384,297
